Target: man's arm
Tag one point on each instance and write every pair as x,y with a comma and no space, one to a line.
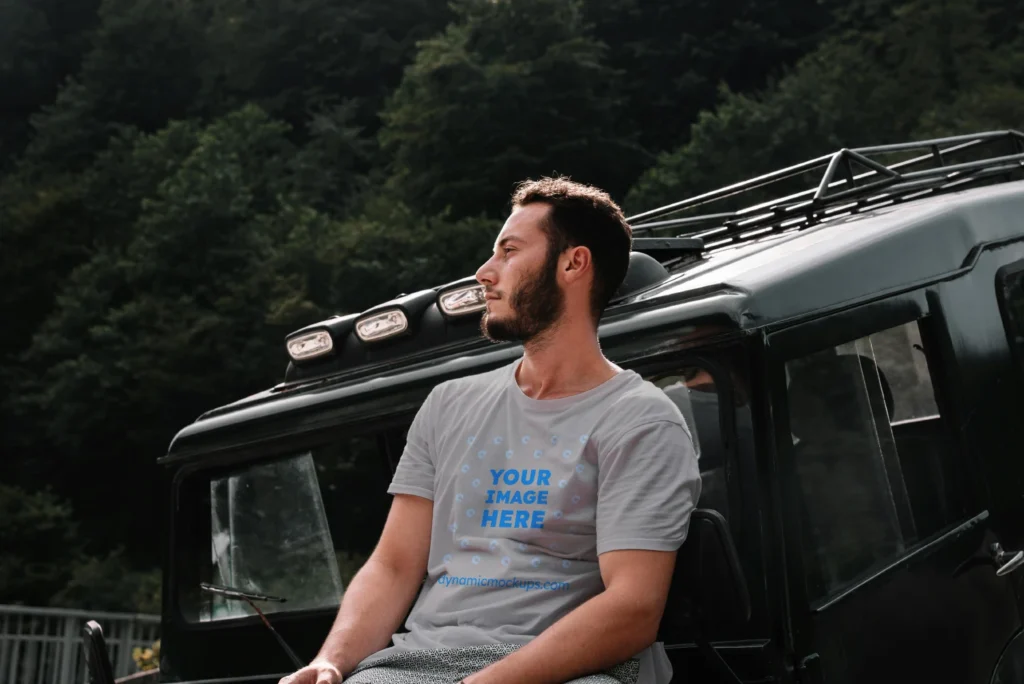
608,629
381,593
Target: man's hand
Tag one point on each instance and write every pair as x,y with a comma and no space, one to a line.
378,596
320,671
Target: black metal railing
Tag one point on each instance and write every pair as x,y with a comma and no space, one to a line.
841,190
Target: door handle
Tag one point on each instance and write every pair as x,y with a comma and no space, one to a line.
1006,561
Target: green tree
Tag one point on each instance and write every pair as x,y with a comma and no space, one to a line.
296,58
110,582
388,249
141,71
981,108
673,55
41,43
511,89
148,333
891,85
45,560
37,531
27,70
55,222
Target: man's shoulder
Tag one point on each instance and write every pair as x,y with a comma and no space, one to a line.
640,402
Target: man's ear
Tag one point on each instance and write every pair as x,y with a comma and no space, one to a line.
577,263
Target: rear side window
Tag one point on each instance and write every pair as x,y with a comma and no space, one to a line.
1010,292
872,459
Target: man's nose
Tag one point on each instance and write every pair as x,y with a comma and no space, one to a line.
485,275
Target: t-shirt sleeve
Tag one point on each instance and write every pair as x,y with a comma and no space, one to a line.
415,471
648,484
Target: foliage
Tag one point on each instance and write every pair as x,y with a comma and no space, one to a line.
38,529
154,85
41,42
209,278
297,58
510,89
35,528
53,224
844,95
110,583
671,56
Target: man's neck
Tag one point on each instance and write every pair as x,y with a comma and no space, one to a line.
565,361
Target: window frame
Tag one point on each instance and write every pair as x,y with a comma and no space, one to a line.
831,330
742,480
183,525
1014,269
726,422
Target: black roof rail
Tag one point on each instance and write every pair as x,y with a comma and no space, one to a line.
669,248
877,185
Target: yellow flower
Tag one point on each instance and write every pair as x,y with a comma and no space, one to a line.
148,658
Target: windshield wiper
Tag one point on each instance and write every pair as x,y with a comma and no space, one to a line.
234,594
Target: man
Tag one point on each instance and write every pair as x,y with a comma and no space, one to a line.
544,501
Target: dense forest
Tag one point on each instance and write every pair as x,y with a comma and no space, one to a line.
183,182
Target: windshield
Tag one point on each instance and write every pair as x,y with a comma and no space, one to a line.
269,535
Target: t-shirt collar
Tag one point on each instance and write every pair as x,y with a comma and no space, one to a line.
561,403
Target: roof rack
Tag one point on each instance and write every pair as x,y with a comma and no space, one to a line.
878,185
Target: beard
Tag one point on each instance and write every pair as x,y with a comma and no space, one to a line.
536,306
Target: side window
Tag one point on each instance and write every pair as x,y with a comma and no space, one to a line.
899,354
1010,292
693,390
872,461
298,527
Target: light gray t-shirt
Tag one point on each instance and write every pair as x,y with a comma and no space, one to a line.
528,493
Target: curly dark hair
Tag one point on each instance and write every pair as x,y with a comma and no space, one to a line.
584,216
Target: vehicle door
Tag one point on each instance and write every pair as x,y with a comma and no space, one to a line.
984,313
888,527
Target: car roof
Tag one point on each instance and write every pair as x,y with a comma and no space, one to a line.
834,264
742,285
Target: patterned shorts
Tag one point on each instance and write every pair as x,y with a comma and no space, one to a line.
449,665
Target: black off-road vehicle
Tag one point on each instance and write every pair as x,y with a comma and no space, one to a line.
850,358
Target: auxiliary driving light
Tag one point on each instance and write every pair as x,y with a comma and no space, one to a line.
382,325
310,345
463,300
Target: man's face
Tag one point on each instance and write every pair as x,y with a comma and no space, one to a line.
523,295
